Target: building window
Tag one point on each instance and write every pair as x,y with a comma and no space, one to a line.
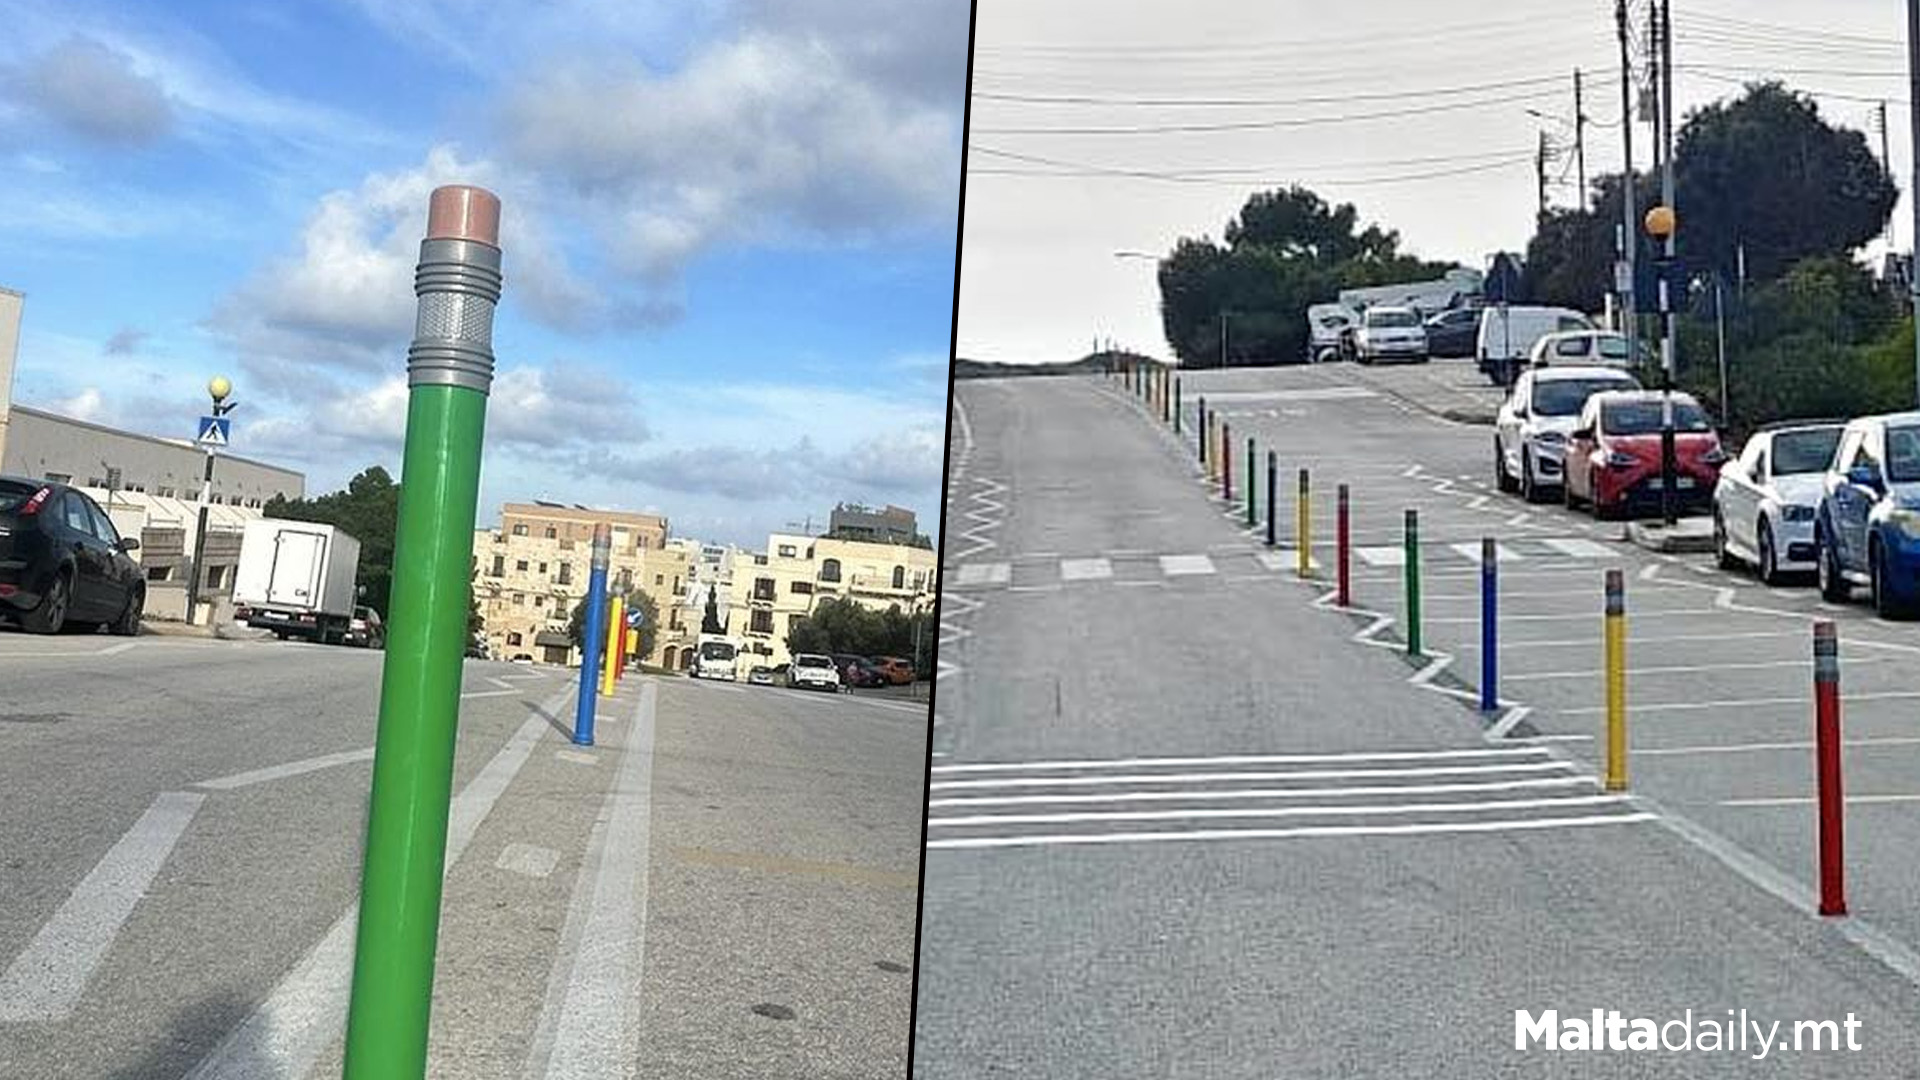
566,573
543,568
499,565
676,584
520,599
513,638
520,565
519,530
786,551
830,570
763,588
803,588
626,580
551,532
659,579
899,577
762,621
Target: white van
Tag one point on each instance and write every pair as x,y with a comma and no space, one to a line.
1325,322
1508,334
716,659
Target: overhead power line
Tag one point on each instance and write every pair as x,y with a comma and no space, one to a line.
1243,102
1802,33
1132,51
1187,178
1245,170
1263,125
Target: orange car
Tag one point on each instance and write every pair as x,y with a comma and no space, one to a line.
898,672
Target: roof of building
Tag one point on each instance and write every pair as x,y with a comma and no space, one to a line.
176,444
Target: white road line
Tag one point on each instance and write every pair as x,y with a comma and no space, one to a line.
1651,639
306,1013
1139,584
1746,703
1755,747
501,683
1362,810
509,692
1183,565
1587,616
1578,548
1501,553
116,650
528,859
1241,777
1223,794
1802,800
1310,832
996,573
1383,555
291,768
1234,759
46,980
592,1028
1682,669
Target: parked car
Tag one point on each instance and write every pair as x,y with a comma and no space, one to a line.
899,671
1325,323
1508,333
1599,348
1766,500
366,630
1867,529
1390,333
1613,456
1542,409
1453,333
760,675
62,563
858,671
811,671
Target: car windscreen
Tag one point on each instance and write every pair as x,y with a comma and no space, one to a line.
12,495
812,661
1566,397
1394,319
715,650
1799,452
1903,454
1643,418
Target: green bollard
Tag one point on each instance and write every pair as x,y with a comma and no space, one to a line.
450,368
1413,584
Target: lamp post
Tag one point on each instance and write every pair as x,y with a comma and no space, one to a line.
218,388
1660,224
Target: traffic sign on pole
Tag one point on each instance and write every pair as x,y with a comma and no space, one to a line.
213,431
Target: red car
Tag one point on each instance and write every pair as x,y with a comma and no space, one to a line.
1613,456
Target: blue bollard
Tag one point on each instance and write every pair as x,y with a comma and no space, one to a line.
593,634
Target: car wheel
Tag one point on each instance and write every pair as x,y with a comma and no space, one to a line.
128,624
1769,557
1502,478
51,616
1721,552
1833,587
1529,492
1566,492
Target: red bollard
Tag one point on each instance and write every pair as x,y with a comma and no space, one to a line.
1826,754
1342,551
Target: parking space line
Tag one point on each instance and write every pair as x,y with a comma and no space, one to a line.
1583,616
1759,747
1677,669
1805,700
1328,810
1235,759
1649,639
291,768
46,980
1243,777
1309,832
1801,800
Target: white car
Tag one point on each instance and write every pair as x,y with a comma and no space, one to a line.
1766,501
1599,348
1324,325
1390,333
1542,409
811,671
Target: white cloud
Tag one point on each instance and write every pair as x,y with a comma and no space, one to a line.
85,405
760,139
93,90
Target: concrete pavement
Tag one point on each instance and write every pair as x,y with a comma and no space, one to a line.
1182,824
177,881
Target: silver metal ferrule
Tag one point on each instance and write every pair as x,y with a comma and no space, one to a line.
458,283
1826,653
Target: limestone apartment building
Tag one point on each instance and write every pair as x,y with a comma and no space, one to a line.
530,572
778,587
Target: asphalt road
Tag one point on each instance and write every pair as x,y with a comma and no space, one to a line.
180,858
1183,823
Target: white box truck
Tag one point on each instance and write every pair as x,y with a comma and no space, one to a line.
718,658
297,579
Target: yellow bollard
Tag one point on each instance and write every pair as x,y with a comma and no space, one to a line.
1303,529
616,622
1616,667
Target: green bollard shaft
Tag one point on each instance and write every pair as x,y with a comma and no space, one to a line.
405,862
1413,584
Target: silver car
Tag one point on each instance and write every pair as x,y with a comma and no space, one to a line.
1542,409
1766,501
1390,333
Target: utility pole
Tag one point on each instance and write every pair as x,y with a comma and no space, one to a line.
1223,337
1669,345
1629,236
1913,119
1580,138
1886,162
1540,178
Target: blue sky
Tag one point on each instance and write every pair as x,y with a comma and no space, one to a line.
729,234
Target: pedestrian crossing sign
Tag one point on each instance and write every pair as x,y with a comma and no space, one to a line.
213,431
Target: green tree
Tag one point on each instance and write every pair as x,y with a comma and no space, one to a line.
368,509
842,625
635,600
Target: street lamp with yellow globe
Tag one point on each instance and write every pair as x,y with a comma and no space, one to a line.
1660,223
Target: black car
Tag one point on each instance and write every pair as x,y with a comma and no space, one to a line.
1453,333
62,563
